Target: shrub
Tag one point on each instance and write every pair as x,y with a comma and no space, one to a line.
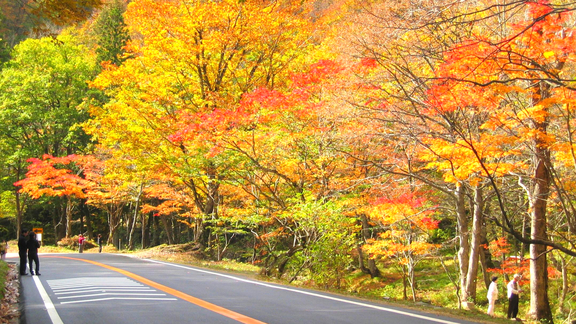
72,243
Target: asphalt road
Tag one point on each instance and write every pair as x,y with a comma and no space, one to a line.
107,288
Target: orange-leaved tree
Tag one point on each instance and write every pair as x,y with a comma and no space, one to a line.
288,150
483,105
527,80
402,135
111,191
407,220
54,177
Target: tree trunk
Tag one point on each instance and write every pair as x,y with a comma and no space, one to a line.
19,208
485,256
145,230
565,286
176,230
285,258
134,218
81,230
463,235
475,249
361,259
412,280
69,217
19,214
167,228
132,229
525,230
206,199
85,210
128,223
114,221
58,216
155,230
484,264
404,284
561,263
372,269
539,302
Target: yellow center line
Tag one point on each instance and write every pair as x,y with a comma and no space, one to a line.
209,306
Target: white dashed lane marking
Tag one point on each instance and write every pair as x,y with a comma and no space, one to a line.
92,289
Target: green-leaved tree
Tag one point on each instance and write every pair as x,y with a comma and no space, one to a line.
41,90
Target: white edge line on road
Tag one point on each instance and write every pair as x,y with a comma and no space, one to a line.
307,293
47,302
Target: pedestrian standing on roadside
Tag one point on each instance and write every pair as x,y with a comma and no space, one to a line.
492,296
513,296
99,243
33,246
81,243
22,251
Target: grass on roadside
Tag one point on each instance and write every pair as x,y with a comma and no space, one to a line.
184,255
3,272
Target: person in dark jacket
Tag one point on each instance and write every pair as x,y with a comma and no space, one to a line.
22,248
100,241
33,246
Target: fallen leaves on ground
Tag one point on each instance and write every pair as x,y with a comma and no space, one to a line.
9,305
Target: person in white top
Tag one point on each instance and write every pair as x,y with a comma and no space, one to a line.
492,296
513,296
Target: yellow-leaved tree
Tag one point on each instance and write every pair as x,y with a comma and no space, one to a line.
191,61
